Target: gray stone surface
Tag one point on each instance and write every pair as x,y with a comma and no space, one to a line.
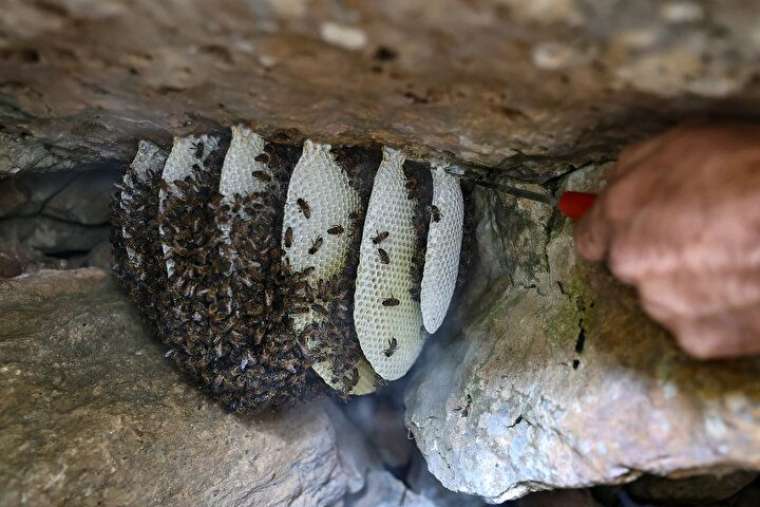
10,265
61,213
36,188
557,380
86,199
51,236
529,87
421,481
384,490
12,197
380,419
382,422
91,414
101,256
20,152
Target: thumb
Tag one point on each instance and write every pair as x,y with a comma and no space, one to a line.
592,233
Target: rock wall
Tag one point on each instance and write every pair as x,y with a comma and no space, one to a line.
58,219
554,378
93,415
530,88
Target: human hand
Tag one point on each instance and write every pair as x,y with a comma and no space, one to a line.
680,220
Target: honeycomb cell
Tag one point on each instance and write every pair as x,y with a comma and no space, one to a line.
186,152
321,197
390,335
240,164
149,159
444,244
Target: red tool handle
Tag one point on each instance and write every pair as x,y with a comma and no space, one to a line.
575,204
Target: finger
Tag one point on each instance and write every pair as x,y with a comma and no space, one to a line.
592,234
689,233
689,295
632,155
655,240
733,333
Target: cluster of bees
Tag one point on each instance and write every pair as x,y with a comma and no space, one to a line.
273,270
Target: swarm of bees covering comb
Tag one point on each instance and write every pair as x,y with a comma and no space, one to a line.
272,270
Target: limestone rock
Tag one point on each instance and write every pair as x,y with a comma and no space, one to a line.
19,152
422,482
384,490
10,265
557,379
101,256
36,189
86,199
528,87
383,425
51,236
381,421
12,197
92,415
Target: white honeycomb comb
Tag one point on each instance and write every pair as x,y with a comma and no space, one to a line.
149,159
377,325
444,244
179,165
322,186
240,163
238,168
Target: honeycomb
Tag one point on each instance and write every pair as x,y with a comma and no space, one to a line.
186,151
237,172
324,188
378,325
443,248
240,163
229,277
149,159
329,200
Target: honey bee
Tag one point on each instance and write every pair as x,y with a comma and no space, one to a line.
198,149
263,158
315,246
335,230
288,237
262,176
304,207
392,346
391,302
319,308
436,213
384,258
380,237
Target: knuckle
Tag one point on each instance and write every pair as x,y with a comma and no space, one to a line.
623,262
590,239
